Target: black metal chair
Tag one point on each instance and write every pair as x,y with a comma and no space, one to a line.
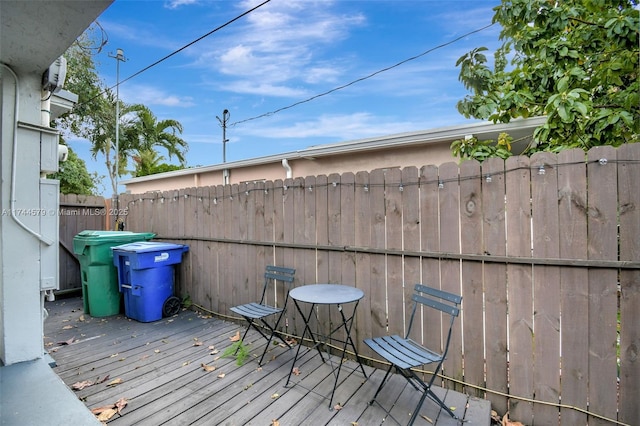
405,354
264,310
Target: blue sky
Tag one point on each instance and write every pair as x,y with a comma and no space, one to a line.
283,53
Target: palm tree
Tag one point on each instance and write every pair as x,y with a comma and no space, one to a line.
102,134
147,133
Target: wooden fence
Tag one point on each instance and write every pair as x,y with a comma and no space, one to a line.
544,250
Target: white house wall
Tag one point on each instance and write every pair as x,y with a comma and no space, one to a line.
20,298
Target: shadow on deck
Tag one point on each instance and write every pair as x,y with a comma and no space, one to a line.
158,368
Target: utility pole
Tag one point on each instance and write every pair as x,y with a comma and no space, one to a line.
223,124
119,57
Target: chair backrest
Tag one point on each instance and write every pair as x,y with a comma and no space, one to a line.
273,274
447,303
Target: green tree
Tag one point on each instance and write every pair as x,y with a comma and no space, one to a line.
102,132
75,178
83,80
576,62
150,162
147,133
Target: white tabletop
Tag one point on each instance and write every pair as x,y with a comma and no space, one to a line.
326,294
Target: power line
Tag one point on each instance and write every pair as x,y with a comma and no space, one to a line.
365,77
181,49
196,40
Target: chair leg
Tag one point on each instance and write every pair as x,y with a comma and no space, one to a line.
414,415
245,334
384,379
438,401
269,339
426,389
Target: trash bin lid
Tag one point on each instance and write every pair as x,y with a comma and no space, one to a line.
150,246
95,238
112,235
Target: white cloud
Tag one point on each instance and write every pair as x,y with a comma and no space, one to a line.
174,4
280,44
152,96
263,89
341,127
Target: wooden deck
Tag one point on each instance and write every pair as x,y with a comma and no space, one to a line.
159,368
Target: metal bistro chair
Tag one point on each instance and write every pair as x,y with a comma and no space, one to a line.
405,354
261,311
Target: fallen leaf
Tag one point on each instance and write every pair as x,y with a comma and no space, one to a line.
114,355
197,343
296,371
208,368
354,423
221,376
274,422
81,318
82,385
211,348
507,422
68,342
426,418
337,407
107,414
115,382
67,327
157,351
99,410
120,404
185,363
235,338
275,396
104,379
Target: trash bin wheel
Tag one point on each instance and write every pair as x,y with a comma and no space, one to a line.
171,306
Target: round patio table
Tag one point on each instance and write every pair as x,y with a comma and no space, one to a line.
313,295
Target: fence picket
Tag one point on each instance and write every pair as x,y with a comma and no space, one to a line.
519,289
393,225
411,239
450,269
603,292
471,224
629,202
572,204
495,281
546,288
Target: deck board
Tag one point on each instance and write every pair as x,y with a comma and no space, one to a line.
162,378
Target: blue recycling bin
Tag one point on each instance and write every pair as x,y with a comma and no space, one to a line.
146,278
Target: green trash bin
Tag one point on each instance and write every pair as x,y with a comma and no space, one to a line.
100,294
